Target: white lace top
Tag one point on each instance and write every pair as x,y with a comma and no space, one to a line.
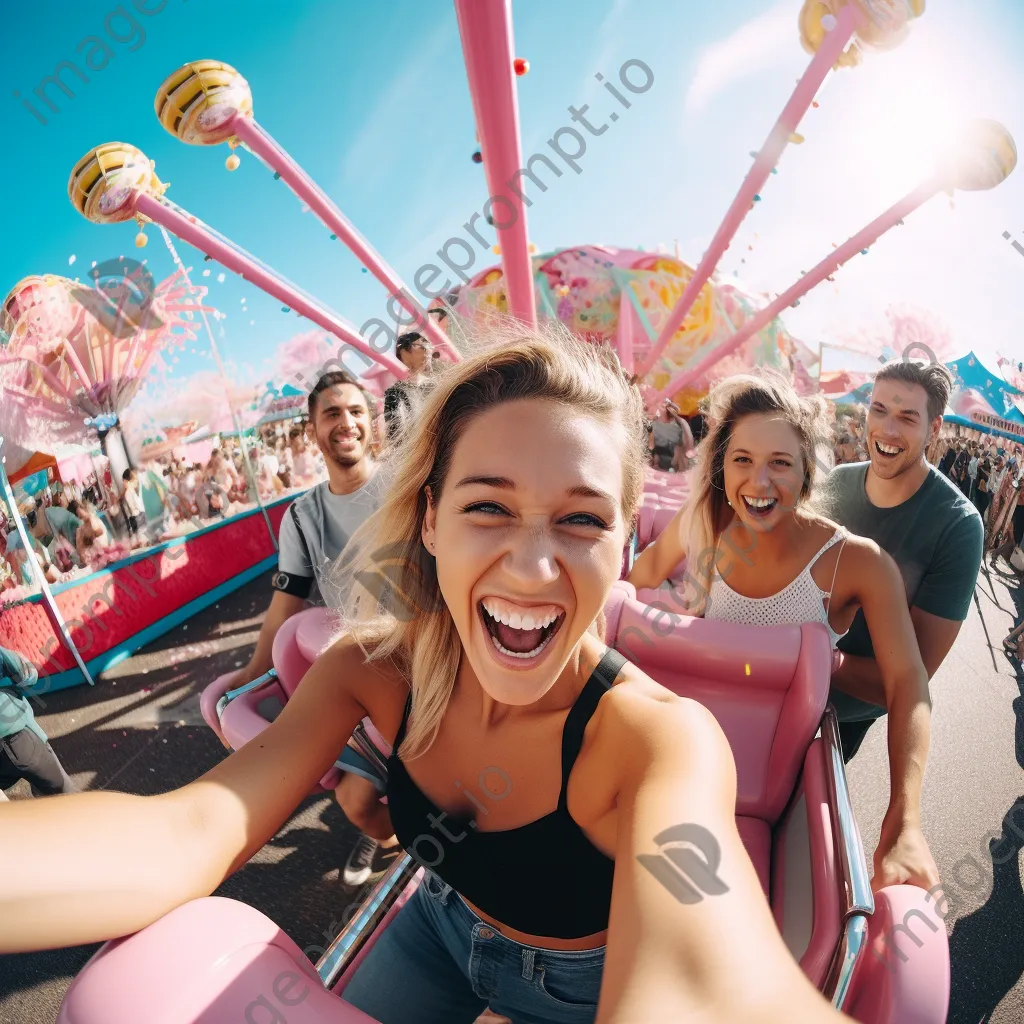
802,601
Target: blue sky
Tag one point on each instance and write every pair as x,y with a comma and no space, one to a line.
372,100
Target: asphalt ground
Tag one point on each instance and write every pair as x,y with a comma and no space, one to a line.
140,731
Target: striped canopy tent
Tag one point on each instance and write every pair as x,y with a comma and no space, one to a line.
285,403
1002,397
994,428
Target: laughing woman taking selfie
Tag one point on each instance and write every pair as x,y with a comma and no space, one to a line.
538,762
756,553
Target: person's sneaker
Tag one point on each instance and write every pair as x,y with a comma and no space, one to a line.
359,865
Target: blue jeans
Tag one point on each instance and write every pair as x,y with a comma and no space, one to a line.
438,963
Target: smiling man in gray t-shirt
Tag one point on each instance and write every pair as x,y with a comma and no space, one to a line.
319,524
315,531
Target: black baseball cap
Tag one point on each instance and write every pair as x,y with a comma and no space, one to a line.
406,341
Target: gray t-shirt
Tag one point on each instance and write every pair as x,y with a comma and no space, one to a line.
667,436
315,530
935,537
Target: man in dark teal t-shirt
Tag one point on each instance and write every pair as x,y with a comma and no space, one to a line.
922,519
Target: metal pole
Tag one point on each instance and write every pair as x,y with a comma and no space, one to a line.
227,394
49,605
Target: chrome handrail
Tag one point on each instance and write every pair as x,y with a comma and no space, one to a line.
230,695
368,750
351,939
840,973
857,894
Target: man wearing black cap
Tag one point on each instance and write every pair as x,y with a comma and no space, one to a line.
414,351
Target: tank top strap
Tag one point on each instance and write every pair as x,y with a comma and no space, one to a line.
401,728
836,537
600,681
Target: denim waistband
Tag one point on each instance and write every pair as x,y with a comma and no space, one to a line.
457,907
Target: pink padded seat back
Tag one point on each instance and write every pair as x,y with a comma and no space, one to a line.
662,517
316,632
654,516
757,841
289,662
621,592
645,526
767,686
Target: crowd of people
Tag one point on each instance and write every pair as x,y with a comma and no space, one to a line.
78,528
508,553
988,472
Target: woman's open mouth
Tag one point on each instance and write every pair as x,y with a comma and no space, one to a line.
760,507
888,451
518,631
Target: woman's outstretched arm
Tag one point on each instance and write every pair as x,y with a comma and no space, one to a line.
691,935
657,560
877,585
94,866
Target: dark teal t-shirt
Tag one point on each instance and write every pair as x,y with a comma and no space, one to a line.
935,537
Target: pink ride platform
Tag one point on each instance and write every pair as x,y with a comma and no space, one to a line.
767,687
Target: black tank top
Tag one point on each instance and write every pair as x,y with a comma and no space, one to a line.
544,878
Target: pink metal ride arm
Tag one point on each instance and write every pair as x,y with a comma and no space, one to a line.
626,332
824,269
259,140
486,30
241,263
833,45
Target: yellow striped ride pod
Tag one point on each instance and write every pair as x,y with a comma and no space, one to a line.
105,179
199,102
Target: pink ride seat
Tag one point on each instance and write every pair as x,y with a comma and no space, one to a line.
210,961
766,686
208,702
296,646
768,689
290,663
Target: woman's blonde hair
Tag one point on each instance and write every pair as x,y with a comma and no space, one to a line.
386,583
706,514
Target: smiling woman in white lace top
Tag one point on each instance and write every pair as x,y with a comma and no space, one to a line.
757,553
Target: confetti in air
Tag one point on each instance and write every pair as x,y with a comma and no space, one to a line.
220,278
72,258
206,273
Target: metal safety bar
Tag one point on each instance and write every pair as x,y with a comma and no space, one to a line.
368,750
354,936
857,894
227,698
858,899
840,973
